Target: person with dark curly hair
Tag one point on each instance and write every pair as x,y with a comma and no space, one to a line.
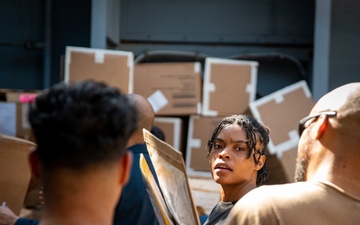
134,205
81,132
237,158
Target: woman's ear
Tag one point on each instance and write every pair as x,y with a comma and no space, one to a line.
34,162
261,162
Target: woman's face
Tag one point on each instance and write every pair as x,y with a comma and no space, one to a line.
228,158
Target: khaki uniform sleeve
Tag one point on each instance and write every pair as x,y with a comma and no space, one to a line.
252,209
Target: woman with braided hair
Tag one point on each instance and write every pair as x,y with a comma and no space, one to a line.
237,158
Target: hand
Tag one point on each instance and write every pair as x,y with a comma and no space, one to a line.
7,216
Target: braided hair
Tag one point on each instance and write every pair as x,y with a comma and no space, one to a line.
254,132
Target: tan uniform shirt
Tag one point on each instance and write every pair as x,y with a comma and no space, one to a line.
296,203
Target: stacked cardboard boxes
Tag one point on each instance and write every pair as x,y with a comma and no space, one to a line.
13,113
18,137
174,90
188,102
228,87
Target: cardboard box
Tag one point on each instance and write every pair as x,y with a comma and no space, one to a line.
14,113
229,86
173,130
14,159
281,111
206,192
199,132
288,162
173,89
14,122
171,198
277,173
110,66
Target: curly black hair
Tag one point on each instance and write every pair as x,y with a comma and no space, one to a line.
254,131
82,124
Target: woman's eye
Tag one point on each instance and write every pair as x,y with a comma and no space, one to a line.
239,148
217,146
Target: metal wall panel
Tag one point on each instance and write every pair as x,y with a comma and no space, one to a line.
230,21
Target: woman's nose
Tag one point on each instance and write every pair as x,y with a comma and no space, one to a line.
224,153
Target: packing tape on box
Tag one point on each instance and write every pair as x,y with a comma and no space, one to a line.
279,99
208,87
197,67
99,57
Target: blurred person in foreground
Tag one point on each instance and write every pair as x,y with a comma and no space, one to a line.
327,190
134,206
237,158
81,132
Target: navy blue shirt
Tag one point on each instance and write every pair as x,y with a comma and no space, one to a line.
219,213
24,221
134,206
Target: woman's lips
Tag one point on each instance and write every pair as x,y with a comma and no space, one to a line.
222,166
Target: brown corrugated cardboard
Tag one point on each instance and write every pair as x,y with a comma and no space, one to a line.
199,132
206,192
229,86
281,111
14,158
14,120
277,173
173,130
172,88
288,161
176,193
110,66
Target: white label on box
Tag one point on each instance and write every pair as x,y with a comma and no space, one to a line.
195,143
157,100
8,118
99,57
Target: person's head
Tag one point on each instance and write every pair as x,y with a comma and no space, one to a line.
158,132
237,150
80,128
332,128
145,117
